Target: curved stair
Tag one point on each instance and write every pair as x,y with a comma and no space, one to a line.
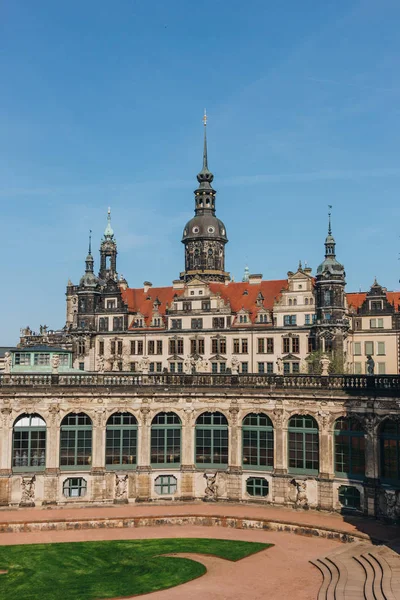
360,572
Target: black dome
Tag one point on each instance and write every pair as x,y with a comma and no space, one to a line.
204,226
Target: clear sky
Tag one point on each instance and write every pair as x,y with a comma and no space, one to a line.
101,104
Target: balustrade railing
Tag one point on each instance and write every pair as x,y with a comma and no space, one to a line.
337,382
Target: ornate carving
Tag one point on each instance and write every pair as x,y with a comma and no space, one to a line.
389,504
234,411
278,414
121,487
144,365
100,364
145,412
325,364
235,365
28,490
55,363
211,491
54,410
301,500
324,419
7,362
370,422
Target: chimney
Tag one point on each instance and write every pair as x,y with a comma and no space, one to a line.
255,279
146,286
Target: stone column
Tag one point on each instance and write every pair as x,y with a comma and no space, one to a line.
50,480
371,487
98,470
144,468
326,466
280,481
234,481
187,456
5,456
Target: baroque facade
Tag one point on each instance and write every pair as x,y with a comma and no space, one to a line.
209,388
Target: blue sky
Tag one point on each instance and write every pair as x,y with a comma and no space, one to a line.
101,104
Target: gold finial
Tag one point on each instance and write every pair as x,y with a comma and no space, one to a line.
205,118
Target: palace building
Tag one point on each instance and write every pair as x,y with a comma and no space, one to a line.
282,391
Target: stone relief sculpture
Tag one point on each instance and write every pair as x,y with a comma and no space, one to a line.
370,365
279,366
301,500
28,490
55,363
211,491
144,365
100,364
121,487
235,365
7,362
389,504
325,363
187,365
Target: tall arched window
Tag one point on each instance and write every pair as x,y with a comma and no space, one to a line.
303,444
166,439
212,439
76,441
258,442
29,443
121,441
349,448
389,436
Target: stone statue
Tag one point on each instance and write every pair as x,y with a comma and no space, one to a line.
100,364
235,365
370,365
187,365
202,365
211,491
28,490
121,484
55,363
301,493
279,366
144,365
390,505
325,363
7,362
193,363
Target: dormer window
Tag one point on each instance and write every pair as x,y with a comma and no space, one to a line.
376,304
110,304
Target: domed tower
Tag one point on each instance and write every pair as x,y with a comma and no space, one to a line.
204,236
331,326
88,293
108,253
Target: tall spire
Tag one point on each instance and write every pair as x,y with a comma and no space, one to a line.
108,232
330,243
329,217
89,259
205,161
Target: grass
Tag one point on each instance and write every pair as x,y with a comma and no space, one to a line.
111,569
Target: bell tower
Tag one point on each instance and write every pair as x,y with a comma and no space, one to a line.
108,252
204,236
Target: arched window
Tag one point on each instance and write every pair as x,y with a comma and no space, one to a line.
303,444
166,439
295,302
389,436
349,448
258,442
76,441
311,301
306,301
290,302
121,441
211,439
29,443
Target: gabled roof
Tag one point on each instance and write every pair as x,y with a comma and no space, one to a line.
356,299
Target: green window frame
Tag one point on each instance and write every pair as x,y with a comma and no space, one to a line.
165,443
257,486
29,443
389,437
74,487
257,442
349,497
76,442
303,445
165,485
121,441
349,437
212,440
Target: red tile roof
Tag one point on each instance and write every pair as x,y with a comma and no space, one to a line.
356,299
139,301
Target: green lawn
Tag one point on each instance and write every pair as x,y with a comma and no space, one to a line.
94,570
